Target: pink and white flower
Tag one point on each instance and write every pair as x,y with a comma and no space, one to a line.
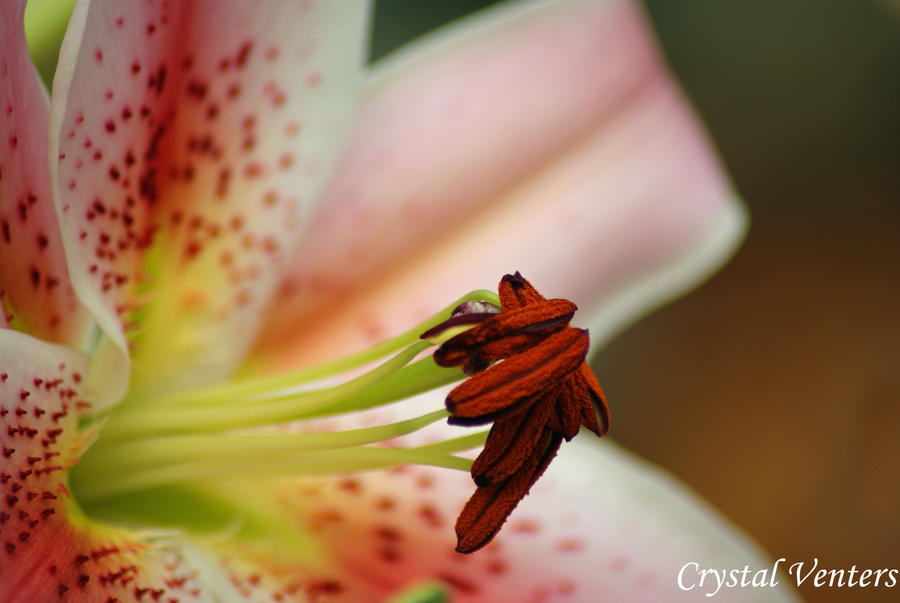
218,189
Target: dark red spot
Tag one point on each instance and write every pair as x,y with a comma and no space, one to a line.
135,68
430,516
126,113
243,53
222,182
389,554
110,126
197,89
157,80
323,587
461,584
496,567
350,485
388,533
98,54
35,276
151,27
4,225
114,172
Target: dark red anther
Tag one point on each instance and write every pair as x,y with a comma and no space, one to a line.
531,380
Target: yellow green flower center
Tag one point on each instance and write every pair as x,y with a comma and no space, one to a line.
149,447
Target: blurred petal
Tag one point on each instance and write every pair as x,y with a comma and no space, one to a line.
33,274
551,141
192,139
599,526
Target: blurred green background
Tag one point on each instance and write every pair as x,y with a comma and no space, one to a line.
774,389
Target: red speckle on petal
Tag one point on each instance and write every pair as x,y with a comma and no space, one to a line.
569,545
525,526
463,585
243,54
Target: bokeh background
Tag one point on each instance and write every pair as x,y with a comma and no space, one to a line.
774,389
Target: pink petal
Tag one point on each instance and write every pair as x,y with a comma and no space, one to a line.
47,551
33,274
600,526
192,137
552,142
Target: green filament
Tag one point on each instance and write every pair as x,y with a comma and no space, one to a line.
226,431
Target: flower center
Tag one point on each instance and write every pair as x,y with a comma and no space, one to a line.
260,426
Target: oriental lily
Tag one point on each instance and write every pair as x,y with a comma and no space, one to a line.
179,268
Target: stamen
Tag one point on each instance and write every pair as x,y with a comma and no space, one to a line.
540,392
487,510
238,392
266,408
519,380
205,434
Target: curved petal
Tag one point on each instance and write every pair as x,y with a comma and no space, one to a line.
192,139
576,162
34,281
600,526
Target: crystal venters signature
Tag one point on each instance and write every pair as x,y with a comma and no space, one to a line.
711,580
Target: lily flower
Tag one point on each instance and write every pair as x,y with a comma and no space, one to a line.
205,244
